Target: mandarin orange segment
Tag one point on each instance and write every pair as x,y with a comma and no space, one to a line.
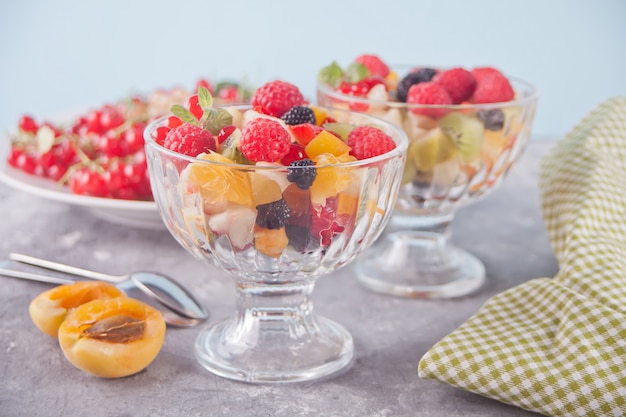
264,189
326,142
330,180
270,242
113,337
220,183
49,309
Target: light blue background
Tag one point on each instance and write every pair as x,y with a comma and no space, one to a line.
66,55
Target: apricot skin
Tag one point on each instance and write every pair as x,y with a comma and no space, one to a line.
109,358
48,309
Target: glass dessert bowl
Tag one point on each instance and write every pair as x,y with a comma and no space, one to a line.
275,228
461,146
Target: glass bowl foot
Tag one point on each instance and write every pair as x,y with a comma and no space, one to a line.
274,350
420,265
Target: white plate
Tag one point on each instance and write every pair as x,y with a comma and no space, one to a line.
143,214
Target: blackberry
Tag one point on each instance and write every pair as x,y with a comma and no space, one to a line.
422,75
298,115
299,237
302,173
493,119
272,215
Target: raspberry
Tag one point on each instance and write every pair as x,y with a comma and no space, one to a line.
302,173
298,115
277,97
272,215
264,139
190,140
421,75
428,93
373,64
481,72
458,82
493,88
367,142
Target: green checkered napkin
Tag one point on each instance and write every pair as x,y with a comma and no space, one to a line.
558,346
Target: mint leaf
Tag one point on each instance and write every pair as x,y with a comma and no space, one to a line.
215,119
356,72
184,114
331,75
204,98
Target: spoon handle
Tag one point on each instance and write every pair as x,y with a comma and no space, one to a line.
34,277
55,266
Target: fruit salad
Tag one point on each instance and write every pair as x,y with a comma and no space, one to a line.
101,152
278,174
466,126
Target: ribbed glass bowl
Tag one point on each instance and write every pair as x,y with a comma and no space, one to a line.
275,335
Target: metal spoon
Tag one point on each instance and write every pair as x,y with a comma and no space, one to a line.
162,288
170,317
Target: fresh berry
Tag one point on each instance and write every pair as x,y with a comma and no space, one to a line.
360,88
272,215
305,133
296,153
206,84
458,82
373,64
225,133
28,124
193,106
277,97
160,133
264,139
367,142
302,173
324,225
298,115
493,118
481,72
493,88
173,121
421,75
428,93
190,140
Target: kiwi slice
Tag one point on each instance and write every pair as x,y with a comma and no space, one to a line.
430,150
230,148
466,132
340,128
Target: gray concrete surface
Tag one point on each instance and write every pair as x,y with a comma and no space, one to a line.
391,334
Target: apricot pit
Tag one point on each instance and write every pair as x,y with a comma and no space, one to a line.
112,338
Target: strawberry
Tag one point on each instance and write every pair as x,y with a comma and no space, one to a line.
305,132
275,98
368,142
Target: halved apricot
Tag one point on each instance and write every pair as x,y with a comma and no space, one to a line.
112,338
48,309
